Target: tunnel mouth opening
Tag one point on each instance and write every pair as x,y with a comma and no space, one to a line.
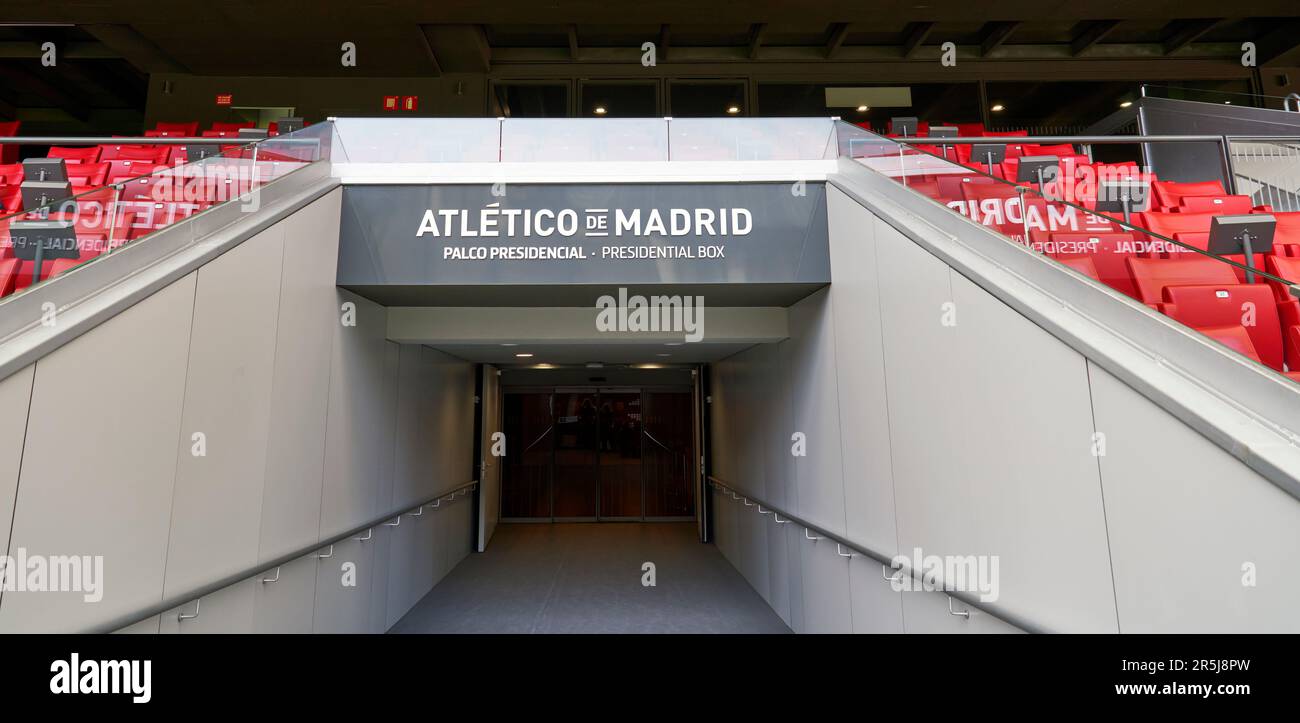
596,442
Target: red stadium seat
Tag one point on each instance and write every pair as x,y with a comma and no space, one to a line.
1283,267
1233,337
187,129
8,275
232,126
1217,204
1169,225
11,199
88,175
1288,228
997,205
151,154
11,174
1169,194
1247,306
1152,276
75,155
1108,252
950,186
9,151
1082,264
1059,149
123,170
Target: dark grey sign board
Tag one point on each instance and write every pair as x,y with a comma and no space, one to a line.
480,244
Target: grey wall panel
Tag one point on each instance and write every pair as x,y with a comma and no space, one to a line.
343,598
428,558
489,492
229,610
877,608
826,603
415,396
927,612
815,399
357,409
105,490
217,503
451,422
384,496
15,396
794,559
1024,414
299,400
401,566
1185,519
974,432
860,364
382,541
285,605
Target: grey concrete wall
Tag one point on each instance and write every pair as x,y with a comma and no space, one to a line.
231,418
977,438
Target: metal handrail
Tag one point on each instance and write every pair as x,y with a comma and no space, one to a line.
886,560
197,593
150,141
1013,140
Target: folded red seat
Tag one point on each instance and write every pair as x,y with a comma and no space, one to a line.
1250,307
1152,276
1108,251
185,129
88,154
11,174
1169,194
151,154
88,175
1232,205
231,127
1082,264
9,152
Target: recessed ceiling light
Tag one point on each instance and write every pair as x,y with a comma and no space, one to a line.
524,355
1126,104
599,110
733,109
663,354
863,109
998,107
673,343
509,344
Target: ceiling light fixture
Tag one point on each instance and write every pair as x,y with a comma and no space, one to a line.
863,109
599,110
998,107
1126,104
524,355
733,109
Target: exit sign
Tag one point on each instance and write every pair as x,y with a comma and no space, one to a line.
391,102
224,98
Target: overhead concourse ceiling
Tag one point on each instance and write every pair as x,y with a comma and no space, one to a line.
406,37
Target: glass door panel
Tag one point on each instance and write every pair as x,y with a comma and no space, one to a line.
620,454
669,451
576,437
526,472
